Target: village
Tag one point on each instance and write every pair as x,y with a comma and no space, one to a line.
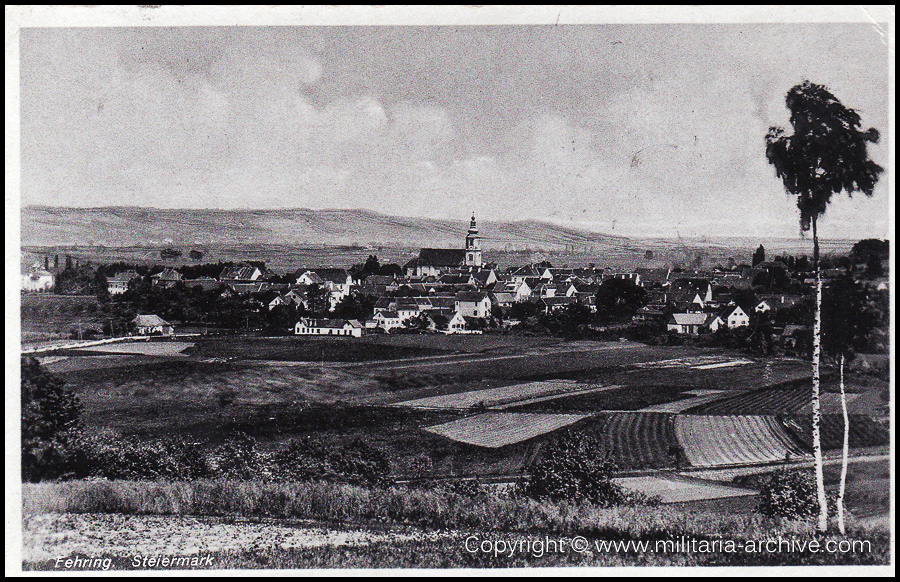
454,291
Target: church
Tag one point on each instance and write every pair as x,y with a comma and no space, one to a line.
433,262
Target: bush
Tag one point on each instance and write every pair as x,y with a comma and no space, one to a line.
789,494
49,415
573,469
308,460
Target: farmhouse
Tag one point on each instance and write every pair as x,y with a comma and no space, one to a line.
118,283
38,280
168,277
473,304
734,316
152,325
240,273
388,320
343,327
687,323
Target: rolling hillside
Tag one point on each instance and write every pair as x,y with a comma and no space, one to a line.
352,234
124,226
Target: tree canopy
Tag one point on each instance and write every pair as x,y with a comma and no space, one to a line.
825,155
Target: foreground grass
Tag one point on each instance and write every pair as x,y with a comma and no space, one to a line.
495,516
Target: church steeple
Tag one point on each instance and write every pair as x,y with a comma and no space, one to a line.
473,250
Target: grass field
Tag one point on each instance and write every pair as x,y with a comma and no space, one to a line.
305,349
48,316
499,429
499,395
393,527
616,398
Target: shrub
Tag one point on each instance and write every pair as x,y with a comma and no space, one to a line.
238,458
307,460
49,414
573,469
789,494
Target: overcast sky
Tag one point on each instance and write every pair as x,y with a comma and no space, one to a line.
634,129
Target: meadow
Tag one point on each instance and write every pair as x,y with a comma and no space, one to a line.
425,528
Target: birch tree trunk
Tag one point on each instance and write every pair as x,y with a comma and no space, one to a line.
816,407
845,453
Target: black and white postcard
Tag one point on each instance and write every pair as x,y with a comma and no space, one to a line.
368,290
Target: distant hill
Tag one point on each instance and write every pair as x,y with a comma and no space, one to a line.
347,236
125,226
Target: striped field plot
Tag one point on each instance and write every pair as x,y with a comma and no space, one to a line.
768,401
710,441
640,440
500,395
498,429
697,398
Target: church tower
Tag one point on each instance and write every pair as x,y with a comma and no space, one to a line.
473,249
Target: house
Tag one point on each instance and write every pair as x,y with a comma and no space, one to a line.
240,273
387,320
38,280
520,289
762,307
343,327
205,283
485,278
377,285
555,304
653,277
716,323
591,275
650,312
734,316
461,279
502,299
473,304
528,272
457,323
152,325
295,297
168,277
337,281
118,283
695,290
687,323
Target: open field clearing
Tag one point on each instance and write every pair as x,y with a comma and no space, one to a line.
675,489
165,398
864,432
638,440
692,398
730,440
502,395
303,349
141,348
498,429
